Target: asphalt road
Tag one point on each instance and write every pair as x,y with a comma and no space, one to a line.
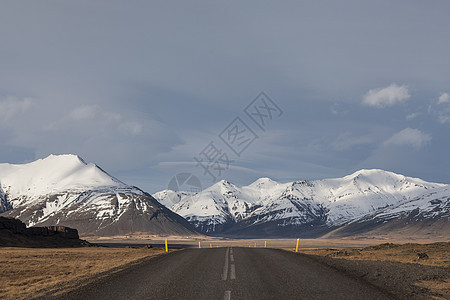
229,273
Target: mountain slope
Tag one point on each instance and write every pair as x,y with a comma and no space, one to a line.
312,208
425,215
64,190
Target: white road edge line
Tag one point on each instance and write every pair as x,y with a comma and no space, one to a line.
231,258
233,272
227,295
225,268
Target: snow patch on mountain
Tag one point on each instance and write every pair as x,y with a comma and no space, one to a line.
53,174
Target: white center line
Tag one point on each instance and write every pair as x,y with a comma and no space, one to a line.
233,272
227,295
225,268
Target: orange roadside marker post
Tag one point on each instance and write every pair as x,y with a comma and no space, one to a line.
265,244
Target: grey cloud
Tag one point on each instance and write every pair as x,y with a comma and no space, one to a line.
409,137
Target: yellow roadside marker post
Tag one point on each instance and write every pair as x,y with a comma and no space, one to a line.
165,242
210,245
199,245
265,244
298,242
255,245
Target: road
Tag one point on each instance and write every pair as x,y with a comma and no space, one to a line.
229,273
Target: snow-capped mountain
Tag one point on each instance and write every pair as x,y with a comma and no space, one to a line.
64,190
314,207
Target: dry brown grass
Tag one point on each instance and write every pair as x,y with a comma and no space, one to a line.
27,273
438,253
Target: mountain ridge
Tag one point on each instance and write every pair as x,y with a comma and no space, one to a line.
310,207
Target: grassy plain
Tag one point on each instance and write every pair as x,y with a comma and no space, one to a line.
35,272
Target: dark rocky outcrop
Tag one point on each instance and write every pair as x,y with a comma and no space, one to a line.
64,232
14,233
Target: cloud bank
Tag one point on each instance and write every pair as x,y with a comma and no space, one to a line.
130,86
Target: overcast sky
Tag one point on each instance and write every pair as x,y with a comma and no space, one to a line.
146,89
